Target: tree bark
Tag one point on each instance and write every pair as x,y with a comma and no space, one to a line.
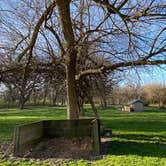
90,99
44,99
71,54
103,102
54,98
22,103
72,103
94,109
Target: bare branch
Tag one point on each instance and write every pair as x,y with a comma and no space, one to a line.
36,31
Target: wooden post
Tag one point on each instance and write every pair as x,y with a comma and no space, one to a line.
16,141
96,136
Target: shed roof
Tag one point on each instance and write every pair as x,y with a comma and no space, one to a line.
135,101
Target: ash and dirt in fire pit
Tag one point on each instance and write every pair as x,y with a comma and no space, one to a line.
62,148
74,148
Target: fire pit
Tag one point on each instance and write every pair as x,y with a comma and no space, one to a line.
28,136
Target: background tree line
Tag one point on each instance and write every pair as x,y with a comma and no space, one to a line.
49,89
151,93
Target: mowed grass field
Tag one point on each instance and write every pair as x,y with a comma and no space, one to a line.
139,139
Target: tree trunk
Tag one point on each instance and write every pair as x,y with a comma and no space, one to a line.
72,104
21,103
71,55
44,100
90,99
81,111
45,95
94,109
81,107
34,97
103,102
54,98
62,101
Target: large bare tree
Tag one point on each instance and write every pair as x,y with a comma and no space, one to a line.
124,33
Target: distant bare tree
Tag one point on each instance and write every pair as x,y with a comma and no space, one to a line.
22,84
156,93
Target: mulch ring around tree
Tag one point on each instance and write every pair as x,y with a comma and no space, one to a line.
58,149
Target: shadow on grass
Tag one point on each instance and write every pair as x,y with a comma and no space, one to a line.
135,148
136,125
130,144
154,109
141,137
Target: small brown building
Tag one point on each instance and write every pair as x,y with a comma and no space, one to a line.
134,106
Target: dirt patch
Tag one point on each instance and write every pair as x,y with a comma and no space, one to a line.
6,149
57,150
62,148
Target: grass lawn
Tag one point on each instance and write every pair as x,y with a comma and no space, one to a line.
139,139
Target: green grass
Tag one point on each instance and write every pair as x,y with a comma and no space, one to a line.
139,139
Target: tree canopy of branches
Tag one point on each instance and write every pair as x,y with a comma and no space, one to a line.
121,33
